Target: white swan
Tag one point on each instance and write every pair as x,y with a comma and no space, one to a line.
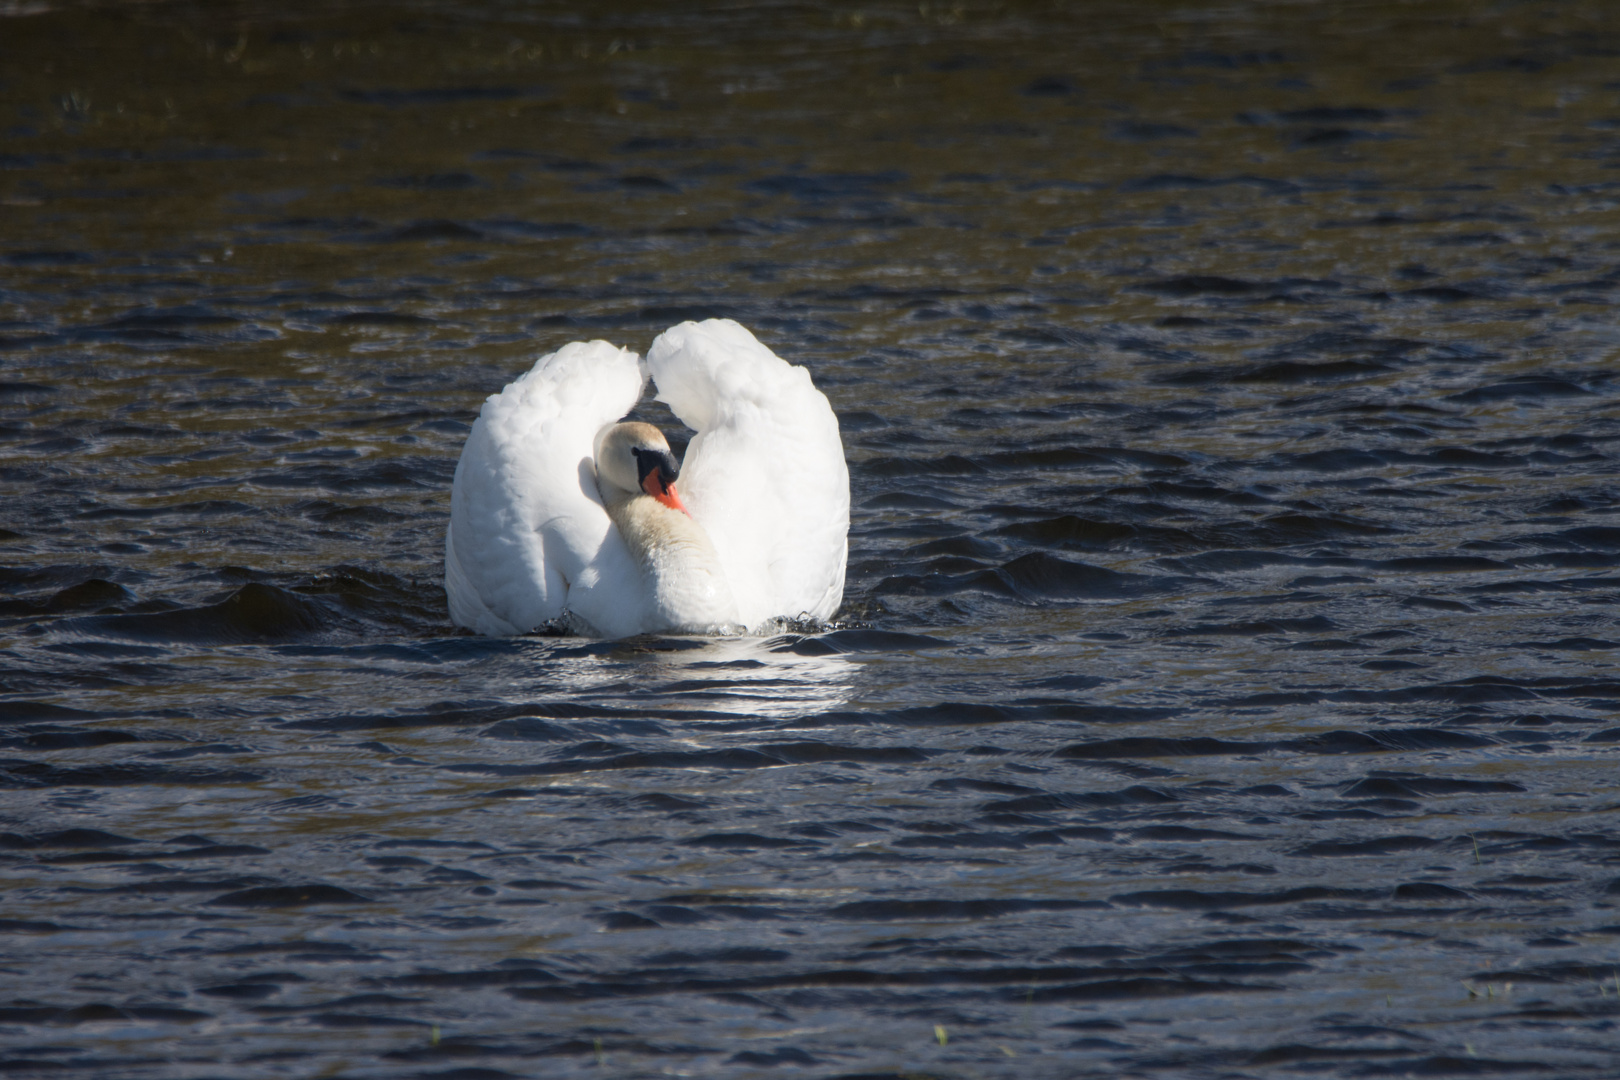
561,516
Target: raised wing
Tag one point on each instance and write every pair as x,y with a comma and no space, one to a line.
765,474
528,536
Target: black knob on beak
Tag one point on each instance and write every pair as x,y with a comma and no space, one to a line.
661,460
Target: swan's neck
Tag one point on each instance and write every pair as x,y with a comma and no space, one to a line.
686,585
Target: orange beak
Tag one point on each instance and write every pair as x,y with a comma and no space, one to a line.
654,485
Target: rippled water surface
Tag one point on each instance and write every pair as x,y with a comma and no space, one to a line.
1225,685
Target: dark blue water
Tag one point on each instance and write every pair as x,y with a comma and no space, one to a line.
1225,685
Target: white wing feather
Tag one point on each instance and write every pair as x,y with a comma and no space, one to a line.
765,474
529,538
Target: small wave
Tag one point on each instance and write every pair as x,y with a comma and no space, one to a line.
254,614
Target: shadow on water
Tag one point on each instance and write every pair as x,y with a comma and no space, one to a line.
1225,682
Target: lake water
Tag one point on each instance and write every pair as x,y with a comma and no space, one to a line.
1225,684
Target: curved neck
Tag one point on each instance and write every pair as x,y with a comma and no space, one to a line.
687,586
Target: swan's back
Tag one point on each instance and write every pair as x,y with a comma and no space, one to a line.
528,534
765,474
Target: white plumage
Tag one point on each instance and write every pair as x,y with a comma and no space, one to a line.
531,543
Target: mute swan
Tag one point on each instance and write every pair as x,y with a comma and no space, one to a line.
560,515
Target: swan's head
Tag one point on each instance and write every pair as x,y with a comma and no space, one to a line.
636,457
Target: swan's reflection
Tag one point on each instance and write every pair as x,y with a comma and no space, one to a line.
784,677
